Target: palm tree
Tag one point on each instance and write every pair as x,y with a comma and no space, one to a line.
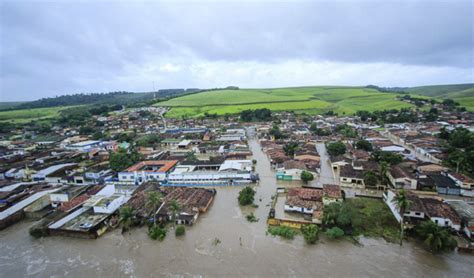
436,237
402,202
175,208
383,170
153,200
126,217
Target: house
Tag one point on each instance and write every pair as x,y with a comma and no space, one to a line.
416,211
84,146
192,202
402,178
151,170
306,201
332,193
109,204
445,185
291,170
466,213
464,182
441,213
230,172
65,195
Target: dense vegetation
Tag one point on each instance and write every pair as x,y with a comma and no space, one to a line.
336,148
246,196
460,149
360,216
263,114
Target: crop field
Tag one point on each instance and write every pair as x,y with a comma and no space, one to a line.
27,115
310,100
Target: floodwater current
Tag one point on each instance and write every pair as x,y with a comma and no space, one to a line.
221,243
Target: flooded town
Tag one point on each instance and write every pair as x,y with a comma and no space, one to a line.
75,205
263,138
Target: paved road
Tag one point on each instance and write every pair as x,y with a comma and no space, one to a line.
326,176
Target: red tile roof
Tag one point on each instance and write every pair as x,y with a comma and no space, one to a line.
166,165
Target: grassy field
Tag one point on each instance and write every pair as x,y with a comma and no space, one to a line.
310,100
375,219
28,115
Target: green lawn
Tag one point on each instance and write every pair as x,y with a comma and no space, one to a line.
310,100
375,219
27,115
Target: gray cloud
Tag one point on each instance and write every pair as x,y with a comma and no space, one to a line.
54,48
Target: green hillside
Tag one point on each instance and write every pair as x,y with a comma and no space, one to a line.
462,93
440,90
311,100
28,115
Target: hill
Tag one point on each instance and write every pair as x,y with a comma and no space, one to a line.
441,90
462,93
112,98
311,100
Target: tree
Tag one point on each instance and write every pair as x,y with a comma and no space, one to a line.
389,157
306,176
180,230
336,148
276,132
436,238
330,213
122,159
156,232
246,196
175,208
364,145
126,215
290,148
370,178
334,232
154,200
119,160
310,233
403,204
383,169
191,156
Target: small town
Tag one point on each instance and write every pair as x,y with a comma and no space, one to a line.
208,138
341,176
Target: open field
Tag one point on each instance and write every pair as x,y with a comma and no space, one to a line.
27,115
311,100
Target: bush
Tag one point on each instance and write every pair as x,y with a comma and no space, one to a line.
334,232
282,231
156,232
246,196
180,230
310,233
251,218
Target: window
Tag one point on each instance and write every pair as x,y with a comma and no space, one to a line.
417,213
436,221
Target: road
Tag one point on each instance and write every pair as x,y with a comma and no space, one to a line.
326,175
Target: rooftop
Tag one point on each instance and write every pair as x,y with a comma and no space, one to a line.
153,166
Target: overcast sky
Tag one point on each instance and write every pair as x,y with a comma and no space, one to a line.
61,47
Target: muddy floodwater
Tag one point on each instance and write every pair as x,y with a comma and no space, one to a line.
221,243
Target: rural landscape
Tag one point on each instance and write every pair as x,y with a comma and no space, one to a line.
236,139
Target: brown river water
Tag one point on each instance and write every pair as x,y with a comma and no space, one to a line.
244,249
